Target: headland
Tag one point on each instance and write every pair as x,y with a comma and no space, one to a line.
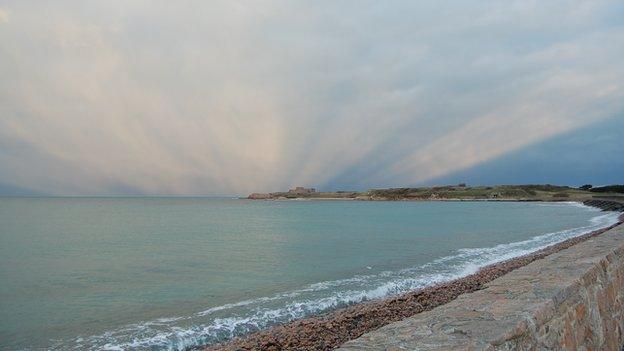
460,192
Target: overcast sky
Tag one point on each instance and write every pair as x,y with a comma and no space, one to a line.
229,97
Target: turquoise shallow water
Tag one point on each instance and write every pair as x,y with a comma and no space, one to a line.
168,273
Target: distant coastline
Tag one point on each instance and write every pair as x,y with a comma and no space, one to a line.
460,192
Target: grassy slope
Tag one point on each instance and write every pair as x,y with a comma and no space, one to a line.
501,192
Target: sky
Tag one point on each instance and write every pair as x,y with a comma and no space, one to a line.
232,97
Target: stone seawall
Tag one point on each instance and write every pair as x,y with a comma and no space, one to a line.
570,300
605,205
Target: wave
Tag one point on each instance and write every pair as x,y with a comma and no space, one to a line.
221,323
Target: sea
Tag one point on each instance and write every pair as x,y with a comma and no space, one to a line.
153,273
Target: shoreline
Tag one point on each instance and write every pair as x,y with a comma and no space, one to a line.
331,329
405,200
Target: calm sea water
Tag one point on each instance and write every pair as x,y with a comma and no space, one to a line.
169,273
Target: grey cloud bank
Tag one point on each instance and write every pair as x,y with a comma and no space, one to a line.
228,97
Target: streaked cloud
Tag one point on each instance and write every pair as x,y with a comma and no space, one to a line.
4,15
232,97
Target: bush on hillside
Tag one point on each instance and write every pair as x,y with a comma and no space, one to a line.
616,188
